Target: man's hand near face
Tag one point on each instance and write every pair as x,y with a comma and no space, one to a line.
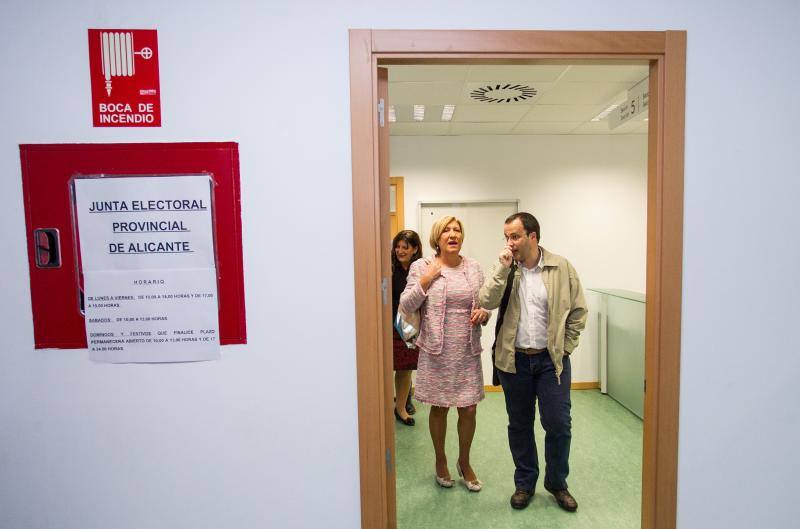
506,257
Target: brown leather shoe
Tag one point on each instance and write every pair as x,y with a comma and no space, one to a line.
564,499
521,498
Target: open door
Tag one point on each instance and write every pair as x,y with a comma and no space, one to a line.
386,282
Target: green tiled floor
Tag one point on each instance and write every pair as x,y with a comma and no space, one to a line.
605,472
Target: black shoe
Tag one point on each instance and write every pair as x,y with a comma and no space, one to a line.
408,422
521,498
564,499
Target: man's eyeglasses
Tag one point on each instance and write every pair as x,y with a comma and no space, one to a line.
514,237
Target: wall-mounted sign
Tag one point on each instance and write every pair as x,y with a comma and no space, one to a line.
149,268
637,102
124,75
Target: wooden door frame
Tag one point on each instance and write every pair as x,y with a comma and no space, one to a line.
666,51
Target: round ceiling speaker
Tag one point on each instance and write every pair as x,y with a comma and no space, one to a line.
503,93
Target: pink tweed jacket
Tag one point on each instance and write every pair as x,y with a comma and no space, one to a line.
432,305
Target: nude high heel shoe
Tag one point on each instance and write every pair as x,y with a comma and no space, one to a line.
443,482
472,486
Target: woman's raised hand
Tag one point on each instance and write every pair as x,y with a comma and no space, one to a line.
433,271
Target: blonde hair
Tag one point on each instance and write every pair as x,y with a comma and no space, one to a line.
438,229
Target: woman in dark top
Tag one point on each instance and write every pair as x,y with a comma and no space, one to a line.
406,248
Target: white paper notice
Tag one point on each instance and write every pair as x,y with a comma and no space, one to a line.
150,280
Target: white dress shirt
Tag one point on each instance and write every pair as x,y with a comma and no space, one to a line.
532,328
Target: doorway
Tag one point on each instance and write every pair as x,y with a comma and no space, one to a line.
665,52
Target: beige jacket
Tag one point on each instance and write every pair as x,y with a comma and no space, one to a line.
566,310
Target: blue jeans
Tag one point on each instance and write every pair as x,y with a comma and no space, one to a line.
536,379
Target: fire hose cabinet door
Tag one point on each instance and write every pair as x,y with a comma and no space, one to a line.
53,255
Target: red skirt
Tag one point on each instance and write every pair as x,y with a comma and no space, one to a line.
405,358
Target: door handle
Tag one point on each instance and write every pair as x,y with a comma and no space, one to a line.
47,247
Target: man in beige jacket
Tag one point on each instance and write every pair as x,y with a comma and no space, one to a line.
542,312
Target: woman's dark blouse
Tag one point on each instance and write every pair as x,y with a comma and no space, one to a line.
399,279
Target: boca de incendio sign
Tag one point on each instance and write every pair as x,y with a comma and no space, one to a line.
123,65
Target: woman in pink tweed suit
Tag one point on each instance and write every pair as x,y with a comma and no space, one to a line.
445,291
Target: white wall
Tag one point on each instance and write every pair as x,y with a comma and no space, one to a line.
589,193
229,444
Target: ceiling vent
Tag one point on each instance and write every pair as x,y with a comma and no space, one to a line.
500,93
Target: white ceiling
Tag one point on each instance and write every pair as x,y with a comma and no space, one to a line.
567,98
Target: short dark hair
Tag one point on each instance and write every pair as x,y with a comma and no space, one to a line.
412,239
528,221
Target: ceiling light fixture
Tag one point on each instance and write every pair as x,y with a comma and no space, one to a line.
447,112
419,112
392,115
606,112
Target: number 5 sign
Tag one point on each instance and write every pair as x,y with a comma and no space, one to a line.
123,66
637,102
